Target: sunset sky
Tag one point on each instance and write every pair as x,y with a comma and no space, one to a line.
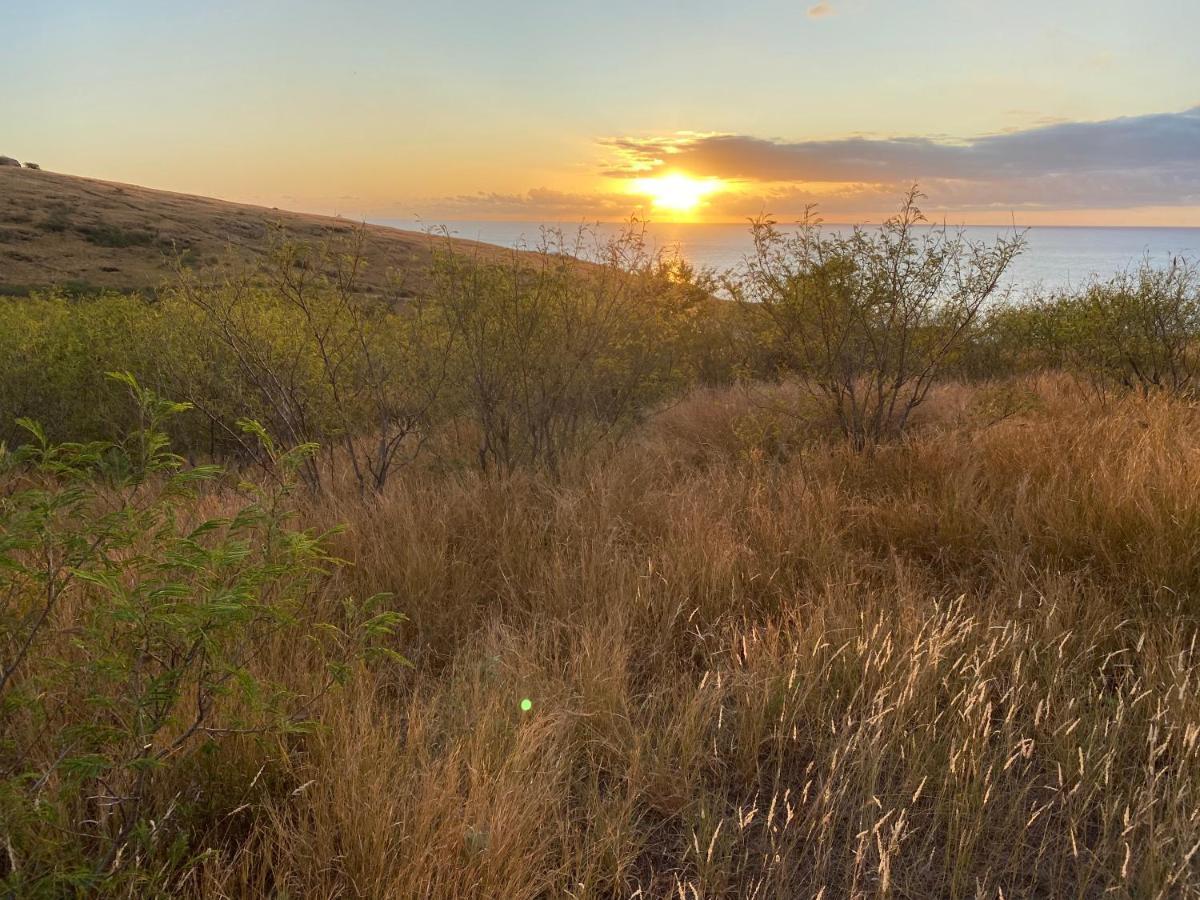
1049,111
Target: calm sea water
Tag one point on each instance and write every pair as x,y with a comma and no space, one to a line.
1054,257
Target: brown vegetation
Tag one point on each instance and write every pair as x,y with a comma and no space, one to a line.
962,667
858,588
87,235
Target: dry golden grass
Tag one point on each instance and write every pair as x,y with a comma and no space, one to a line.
964,666
81,233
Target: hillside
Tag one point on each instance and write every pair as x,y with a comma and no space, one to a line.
84,235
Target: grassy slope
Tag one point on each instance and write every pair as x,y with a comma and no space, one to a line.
87,234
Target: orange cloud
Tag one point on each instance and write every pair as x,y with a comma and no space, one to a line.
1148,160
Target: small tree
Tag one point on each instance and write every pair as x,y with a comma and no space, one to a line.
867,320
559,347
318,361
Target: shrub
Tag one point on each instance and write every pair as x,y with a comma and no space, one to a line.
1015,338
561,347
106,235
56,349
300,348
869,319
1139,328
129,631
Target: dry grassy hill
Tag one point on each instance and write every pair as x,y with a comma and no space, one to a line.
84,235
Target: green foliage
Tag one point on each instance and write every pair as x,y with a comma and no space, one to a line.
535,356
563,346
296,346
870,319
130,628
1139,328
56,350
106,235
1014,338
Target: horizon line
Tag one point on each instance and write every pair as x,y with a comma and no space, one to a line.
585,220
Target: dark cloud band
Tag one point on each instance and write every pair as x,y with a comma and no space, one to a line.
1136,160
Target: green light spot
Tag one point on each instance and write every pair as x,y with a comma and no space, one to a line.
526,705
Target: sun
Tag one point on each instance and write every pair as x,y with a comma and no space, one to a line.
676,192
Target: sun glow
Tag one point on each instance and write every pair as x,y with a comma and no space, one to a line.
676,192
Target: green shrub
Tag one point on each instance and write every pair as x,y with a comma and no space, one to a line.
869,320
559,348
1014,338
56,349
1139,328
106,235
129,632
293,343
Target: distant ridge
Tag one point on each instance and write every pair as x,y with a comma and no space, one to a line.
86,235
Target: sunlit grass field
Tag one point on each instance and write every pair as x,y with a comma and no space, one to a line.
961,666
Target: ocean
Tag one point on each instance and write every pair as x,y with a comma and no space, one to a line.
1054,257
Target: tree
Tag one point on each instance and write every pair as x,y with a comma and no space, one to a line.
317,361
868,319
560,347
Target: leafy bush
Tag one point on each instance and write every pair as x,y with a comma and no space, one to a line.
106,235
129,633
56,349
1014,338
1139,328
294,344
869,319
560,347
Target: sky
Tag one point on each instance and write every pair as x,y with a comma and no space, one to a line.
1039,111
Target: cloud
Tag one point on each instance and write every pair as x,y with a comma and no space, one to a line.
821,11
1149,161
1116,163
